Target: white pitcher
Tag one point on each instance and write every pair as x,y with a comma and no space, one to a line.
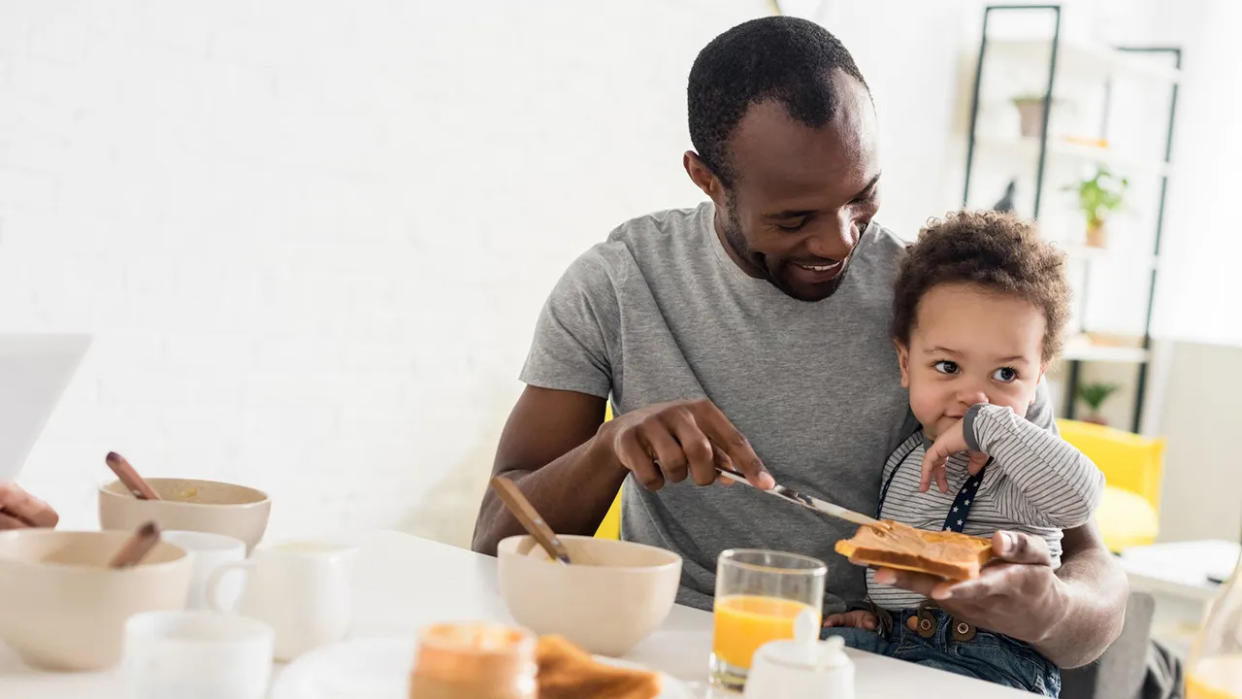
301,588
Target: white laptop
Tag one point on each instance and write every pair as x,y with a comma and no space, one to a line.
34,371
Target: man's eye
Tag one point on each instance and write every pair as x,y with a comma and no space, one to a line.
945,366
1005,374
792,227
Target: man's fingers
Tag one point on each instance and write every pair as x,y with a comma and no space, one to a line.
668,453
696,446
722,460
635,458
1017,547
724,435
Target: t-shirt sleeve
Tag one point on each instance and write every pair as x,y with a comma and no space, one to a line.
576,331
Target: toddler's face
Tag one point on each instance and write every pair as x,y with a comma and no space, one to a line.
971,345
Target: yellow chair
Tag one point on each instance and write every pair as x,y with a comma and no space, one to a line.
1133,467
610,528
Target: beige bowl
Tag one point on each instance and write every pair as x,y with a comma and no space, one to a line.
61,608
201,506
619,593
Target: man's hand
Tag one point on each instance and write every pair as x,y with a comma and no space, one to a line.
858,619
1017,594
666,442
947,444
19,509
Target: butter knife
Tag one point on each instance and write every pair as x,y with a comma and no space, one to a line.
807,501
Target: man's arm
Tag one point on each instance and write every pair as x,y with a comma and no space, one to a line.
1071,615
569,463
1095,591
546,448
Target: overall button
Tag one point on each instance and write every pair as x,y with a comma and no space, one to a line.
963,632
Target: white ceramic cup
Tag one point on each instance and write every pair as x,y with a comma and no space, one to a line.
196,655
301,588
207,551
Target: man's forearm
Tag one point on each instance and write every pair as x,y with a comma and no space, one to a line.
572,493
1093,592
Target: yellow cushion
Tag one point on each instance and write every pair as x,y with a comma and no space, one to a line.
1126,519
1129,461
610,528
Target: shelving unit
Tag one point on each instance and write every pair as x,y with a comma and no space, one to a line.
1064,67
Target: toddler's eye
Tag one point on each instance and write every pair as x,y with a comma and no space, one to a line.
945,366
1005,374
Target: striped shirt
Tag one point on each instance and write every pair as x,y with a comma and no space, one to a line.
1037,483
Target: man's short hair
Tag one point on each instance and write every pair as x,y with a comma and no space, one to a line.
773,58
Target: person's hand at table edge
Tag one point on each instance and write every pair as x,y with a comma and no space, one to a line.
19,509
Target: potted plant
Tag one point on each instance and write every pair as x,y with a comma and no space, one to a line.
1094,395
1030,114
1097,196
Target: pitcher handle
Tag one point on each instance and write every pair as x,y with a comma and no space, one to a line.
214,578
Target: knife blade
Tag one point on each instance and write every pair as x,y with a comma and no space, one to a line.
807,501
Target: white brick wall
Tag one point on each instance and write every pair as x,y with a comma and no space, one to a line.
311,238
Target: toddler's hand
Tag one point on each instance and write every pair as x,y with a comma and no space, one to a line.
858,619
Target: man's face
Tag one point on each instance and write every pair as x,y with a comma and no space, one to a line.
801,196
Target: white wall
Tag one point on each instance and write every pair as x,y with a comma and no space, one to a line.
311,238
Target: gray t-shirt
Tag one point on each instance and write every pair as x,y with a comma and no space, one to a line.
659,312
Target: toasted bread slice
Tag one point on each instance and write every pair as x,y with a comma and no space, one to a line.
950,555
568,672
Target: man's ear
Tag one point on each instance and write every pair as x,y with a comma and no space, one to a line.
703,177
903,360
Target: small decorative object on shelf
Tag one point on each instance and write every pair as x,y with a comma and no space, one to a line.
1005,205
1094,395
1098,195
1215,667
1030,115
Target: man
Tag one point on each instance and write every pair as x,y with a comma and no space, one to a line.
752,332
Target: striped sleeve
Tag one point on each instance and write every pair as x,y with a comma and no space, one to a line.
1041,478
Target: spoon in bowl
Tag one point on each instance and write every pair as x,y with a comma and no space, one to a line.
134,482
136,547
529,518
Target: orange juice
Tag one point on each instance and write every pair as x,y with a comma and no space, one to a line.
745,622
1218,677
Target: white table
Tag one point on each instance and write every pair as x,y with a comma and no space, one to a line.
403,582
1180,575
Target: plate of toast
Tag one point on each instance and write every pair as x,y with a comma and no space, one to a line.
379,668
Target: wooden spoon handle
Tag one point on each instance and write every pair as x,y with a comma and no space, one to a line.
131,479
137,546
529,518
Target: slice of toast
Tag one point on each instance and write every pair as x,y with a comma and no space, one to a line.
568,672
950,555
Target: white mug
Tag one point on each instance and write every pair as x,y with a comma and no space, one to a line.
196,655
301,588
207,551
